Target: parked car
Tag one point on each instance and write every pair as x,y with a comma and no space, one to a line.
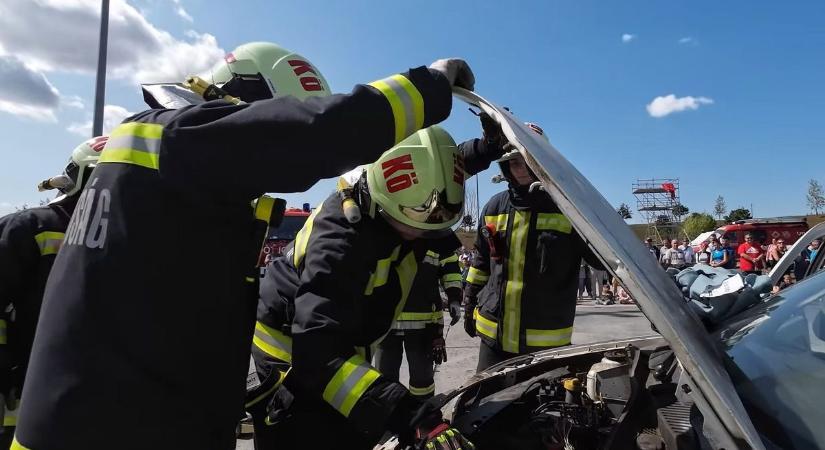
754,381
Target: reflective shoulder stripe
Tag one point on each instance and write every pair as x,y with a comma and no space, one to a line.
49,242
514,286
477,276
449,259
134,143
485,326
548,338
3,339
499,221
381,273
406,103
422,391
302,238
553,221
349,383
273,342
15,445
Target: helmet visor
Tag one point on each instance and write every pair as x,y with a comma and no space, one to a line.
435,210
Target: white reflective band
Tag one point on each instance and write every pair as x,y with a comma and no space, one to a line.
349,383
548,338
273,342
406,103
485,326
477,276
49,242
410,324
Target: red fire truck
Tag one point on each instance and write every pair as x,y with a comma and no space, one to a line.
278,238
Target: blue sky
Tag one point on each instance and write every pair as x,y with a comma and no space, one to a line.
586,71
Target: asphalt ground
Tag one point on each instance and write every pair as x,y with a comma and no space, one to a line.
594,323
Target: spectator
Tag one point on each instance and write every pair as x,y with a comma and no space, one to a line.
652,248
783,283
598,280
687,251
607,296
713,239
673,257
775,252
805,259
703,256
623,296
662,251
730,258
751,256
584,278
718,256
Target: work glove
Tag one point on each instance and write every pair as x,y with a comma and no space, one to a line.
494,139
457,71
438,354
443,437
469,320
455,312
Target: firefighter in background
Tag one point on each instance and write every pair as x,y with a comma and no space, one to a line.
418,331
138,348
329,301
520,295
29,241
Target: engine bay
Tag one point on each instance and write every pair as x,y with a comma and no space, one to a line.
624,398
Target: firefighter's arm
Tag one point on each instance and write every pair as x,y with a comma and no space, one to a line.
286,144
479,271
587,253
479,154
336,270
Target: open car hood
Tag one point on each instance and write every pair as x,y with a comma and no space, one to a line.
625,257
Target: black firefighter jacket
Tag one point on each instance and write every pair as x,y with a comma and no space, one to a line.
147,320
529,274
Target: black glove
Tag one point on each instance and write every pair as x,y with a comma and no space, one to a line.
438,354
457,71
455,312
443,437
492,136
469,319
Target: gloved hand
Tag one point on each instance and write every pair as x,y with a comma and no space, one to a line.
439,351
457,71
455,312
443,437
469,319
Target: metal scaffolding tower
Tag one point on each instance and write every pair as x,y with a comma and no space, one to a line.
657,200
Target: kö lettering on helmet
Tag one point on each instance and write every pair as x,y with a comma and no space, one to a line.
309,83
458,169
401,181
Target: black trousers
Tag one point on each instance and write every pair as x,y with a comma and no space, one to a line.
488,356
417,344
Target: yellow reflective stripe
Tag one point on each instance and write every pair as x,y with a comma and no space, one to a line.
139,129
130,156
2,332
349,383
134,143
249,279
485,326
422,391
548,338
449,259
49,242
281,377
499,221
406,103
10,417
273,342
379,276
438,317
263,208
416,316
448,277
515,281
406,271
477,276
15,445
302,238
553,221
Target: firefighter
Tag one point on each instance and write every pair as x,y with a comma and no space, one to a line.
140,347
334,294
29,241
520,295
418,331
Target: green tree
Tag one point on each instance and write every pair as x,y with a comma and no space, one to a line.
738,214
624,211
720,208
698,223
816,199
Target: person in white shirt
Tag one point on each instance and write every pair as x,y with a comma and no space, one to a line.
674,257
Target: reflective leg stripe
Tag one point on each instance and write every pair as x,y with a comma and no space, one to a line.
451,278
273,342
15,445
422,391
500,221
422,316
281,377
485,326
49,242
477,276
410,324
548,338
381,273
302,238
553,221
134,143
10,418
3,338
406,103
349,383
515,282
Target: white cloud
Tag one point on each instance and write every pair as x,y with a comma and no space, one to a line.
669,104
182,12
113,115
627,38
138,51
688,40
72,101
26,92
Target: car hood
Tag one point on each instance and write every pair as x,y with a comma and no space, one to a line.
625,257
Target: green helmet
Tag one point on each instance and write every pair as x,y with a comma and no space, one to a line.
260,70
420,182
